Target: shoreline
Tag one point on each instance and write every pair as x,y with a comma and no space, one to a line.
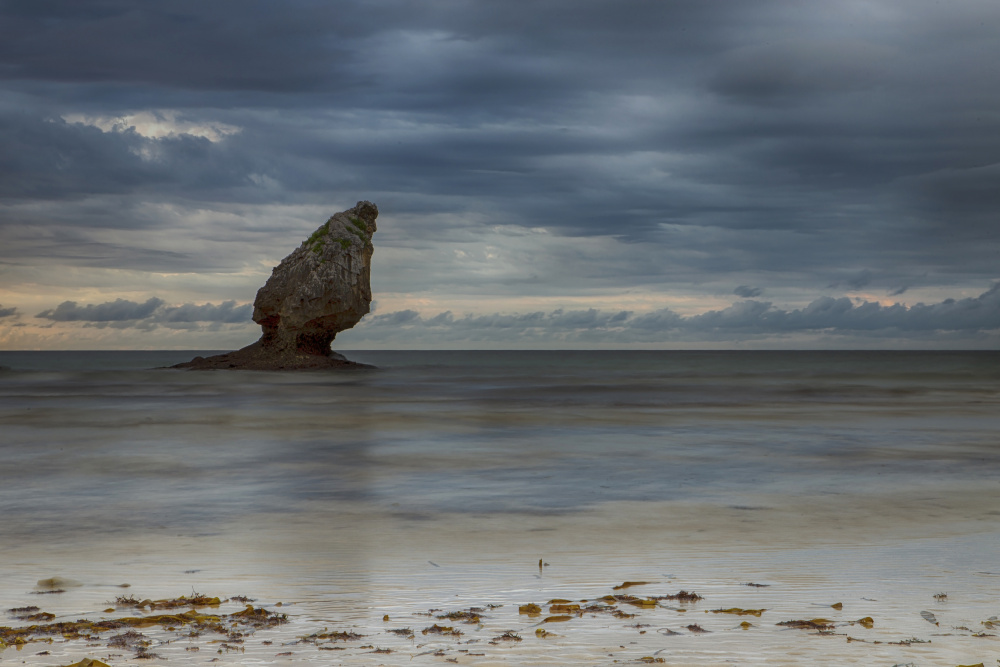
661,621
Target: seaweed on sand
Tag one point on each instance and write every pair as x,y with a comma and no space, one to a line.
463,616
192,620
402,632
336,635
441,630
809,624
196,600
740,612
629,584
681,596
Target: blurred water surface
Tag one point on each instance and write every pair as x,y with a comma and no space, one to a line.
440,478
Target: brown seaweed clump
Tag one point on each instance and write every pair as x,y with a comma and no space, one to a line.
192,620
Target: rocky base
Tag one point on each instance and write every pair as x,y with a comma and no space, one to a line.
256,358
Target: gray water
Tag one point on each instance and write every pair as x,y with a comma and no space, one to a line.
440,478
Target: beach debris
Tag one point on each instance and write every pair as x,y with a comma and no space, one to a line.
54,583
17,611
336,635
681,596
142,653
402,632
192,621
508,636
929,617
978,664
629,584
866,622
531,609
557,619
88,662
694,627
632,600
753,585
463,616
810,624
196,600
667,632
837,605
746,625
564,609
130,640
911,640
37,617
441,630
544,633
940,597
740,612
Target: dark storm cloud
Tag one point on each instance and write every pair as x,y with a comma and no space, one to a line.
110,311
7,312
970,316
48,158
747,292
153,310
834,145
231,45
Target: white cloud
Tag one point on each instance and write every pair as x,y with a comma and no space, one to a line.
156,124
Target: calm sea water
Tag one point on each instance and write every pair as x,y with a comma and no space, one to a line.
440,479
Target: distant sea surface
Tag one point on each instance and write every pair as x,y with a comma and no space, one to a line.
439,479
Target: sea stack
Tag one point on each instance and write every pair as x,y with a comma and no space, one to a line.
322,288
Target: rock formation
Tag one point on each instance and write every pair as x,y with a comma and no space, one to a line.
321,289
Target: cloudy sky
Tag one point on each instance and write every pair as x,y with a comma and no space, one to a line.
550,174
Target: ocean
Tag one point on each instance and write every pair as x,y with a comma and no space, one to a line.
859,491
